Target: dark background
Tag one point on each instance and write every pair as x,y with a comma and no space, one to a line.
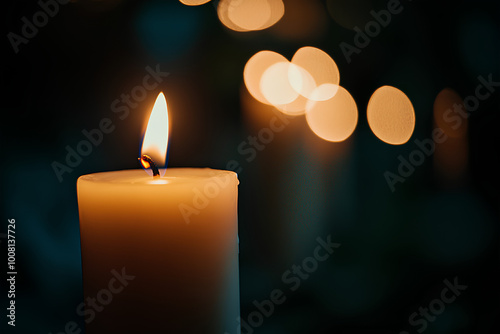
396,247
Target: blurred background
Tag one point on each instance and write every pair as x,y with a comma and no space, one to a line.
398,242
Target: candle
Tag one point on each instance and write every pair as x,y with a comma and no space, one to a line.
159,254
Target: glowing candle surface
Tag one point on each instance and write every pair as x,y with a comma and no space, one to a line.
159,255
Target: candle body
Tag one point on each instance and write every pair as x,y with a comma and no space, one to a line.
159,255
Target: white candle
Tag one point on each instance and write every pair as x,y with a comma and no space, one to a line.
160,255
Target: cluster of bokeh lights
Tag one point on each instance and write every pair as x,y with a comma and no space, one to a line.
309,84
246,15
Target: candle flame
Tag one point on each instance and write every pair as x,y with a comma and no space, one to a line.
155,141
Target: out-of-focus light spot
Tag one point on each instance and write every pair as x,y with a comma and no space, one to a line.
277,8
272,79
275,84
250,15
324,92
223,14
301,80
447,107
323,70
302,20
334,119
194,2
350,13
390,115
255,68
450,156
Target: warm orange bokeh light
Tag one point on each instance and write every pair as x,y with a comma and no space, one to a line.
446,113
194,2
334,119
156,137
277,8
289,86
451,156
250,15
303,83
301,80
323,70
324,92
275,84
390,115
223,14
255,68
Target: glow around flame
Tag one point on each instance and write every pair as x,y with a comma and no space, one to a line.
155,141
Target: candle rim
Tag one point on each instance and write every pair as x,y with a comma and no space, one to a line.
172,176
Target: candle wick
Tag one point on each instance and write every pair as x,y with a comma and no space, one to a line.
146,158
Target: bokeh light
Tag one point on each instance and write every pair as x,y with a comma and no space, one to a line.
390,115
323,70
301,80
289,86
223,14
255,68
275,84
277,8
450,156
446,113
194,2
334,119
250,15
324,92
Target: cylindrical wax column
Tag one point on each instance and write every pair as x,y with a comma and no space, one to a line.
160,255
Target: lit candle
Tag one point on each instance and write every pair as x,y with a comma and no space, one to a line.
159,253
